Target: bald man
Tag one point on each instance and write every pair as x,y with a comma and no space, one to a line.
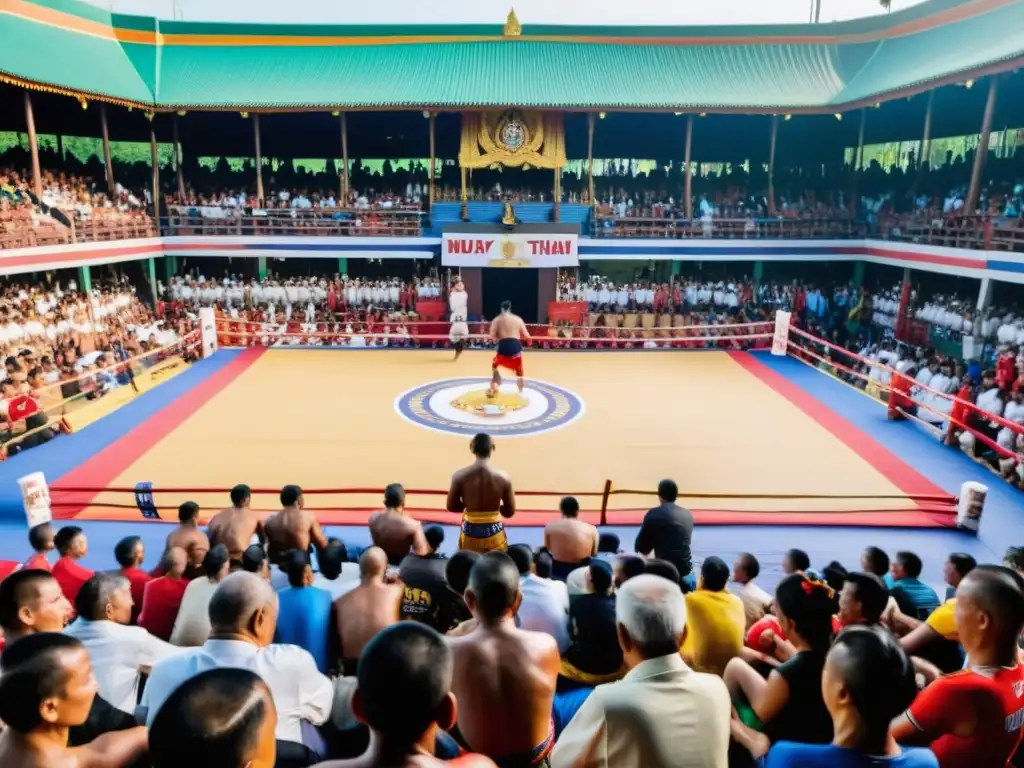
236,526
367,609
974,717
504,677
294,527
396,532
484,496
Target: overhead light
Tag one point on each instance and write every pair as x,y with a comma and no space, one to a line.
969,84
244,115
84,103
335,113
788,117
182,113
703,114
677,114
839,116
601,115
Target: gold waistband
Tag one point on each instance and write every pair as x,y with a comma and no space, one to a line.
481,518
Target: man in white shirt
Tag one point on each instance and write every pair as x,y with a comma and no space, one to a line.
118,652
243,617
545,607
650,716
755,600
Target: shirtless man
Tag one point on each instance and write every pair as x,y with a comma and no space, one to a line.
504,677
187,536
569,540
393,530
367,609
484,496
293,527
509,331
48,687
235,526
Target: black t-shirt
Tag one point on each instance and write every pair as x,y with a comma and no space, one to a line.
595,645
804,718
667,531
428,598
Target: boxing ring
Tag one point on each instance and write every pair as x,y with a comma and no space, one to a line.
761,441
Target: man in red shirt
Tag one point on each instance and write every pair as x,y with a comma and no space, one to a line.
72,546
161,597
41,539
130,553
974,717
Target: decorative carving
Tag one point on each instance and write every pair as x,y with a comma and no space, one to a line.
512,26
512,138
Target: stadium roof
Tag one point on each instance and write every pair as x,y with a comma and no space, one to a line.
75,48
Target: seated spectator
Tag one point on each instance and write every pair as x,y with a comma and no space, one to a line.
543,607
788,705
456,573
874,560
503,677
974,718
861,601
958,565
415,659
161,598
31,601
336,575
570,541
626,567
608,548
222,717
46,690
395,531
254,560
715,621
666,531
192,624
866,682
913,596
543,569
129,553
795,561
366,610
189,537
594,656
756,602
40,538
665,570
243,619
304,612
72,546
119,652
661,713
426,596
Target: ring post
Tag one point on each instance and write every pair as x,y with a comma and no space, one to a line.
35,496
145,502
780,340
970,506
208,331
604,502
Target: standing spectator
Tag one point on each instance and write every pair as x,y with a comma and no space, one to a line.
666,531
48,689
594,656
756,601
243,618
543,608
867,681
225,717
129,553
40,538
117,650
192,624
161,599
974,718
661,713
72,546
715,620
304,612
913,596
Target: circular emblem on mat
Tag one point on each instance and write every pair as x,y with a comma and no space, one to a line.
464,407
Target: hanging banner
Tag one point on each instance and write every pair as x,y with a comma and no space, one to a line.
516,249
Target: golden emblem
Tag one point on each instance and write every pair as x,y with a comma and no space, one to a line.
512,26
508,216
480,404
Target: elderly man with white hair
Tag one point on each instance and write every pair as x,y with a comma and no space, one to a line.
661,713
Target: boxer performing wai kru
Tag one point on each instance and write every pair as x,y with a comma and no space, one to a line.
509,330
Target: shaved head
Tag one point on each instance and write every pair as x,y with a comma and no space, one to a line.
236,600
997,592
372,563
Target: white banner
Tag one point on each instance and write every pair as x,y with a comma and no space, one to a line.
510,250
780,339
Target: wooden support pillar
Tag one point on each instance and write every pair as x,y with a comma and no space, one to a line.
344,161
558,195
108,164
432,120
687,171
259,159
33,147
591,122
156,174
926,139
179,156
464,211
771,164
974,191
860,140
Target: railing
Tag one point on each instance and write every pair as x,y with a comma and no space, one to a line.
340,222
738,229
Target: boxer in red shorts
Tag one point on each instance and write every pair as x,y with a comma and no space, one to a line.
509,331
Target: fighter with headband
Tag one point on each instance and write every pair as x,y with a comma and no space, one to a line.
509,330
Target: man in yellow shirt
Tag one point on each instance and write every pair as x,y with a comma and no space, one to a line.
715,620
